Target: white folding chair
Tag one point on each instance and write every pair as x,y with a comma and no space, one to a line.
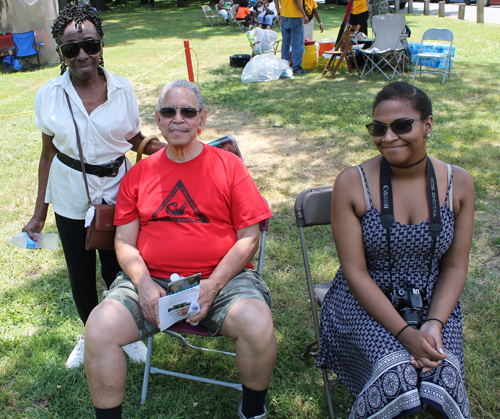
210,15
186,328
441,58
387,52
236,22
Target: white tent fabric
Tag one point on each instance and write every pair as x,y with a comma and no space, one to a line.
17,16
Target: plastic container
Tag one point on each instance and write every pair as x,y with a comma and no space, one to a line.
325,45
45,241
310,58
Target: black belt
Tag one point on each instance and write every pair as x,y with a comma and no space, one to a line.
100,170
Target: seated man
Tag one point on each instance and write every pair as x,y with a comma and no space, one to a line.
192,208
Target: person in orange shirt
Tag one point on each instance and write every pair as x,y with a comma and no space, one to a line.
245,14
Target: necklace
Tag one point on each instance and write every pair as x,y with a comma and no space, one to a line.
411,165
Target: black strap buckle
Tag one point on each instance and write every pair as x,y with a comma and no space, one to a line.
110,169
114,166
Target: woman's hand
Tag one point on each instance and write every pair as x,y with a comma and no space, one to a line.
35,225
423,348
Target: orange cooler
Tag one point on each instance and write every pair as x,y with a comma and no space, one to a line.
325,45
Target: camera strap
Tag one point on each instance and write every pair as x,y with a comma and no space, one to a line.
387,210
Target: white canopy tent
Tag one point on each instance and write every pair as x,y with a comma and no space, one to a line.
17,16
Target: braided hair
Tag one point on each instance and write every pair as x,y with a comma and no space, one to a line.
78,15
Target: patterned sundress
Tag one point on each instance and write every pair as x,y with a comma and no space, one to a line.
374,366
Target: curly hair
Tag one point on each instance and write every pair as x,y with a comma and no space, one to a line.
78,15
418,99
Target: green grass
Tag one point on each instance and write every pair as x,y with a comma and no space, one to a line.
293,134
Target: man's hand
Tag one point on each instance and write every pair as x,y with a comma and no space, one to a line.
422,347
208,292
305,19
149,293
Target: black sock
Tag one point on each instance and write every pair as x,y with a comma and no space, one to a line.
113,413
253,402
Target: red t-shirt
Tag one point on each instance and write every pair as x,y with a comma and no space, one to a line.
189,211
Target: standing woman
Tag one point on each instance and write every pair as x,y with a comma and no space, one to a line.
391,323
106,112
311,9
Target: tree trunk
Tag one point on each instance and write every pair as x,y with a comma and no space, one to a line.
100,4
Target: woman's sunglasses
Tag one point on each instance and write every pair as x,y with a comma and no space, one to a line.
398,127
186,112
72,49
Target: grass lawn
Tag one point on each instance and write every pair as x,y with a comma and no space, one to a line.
293,134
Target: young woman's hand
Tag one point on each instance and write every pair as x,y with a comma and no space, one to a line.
422,346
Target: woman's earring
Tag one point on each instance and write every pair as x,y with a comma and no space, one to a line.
101,61
63,65
428,134
199,130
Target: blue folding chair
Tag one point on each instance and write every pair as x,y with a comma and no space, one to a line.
26,49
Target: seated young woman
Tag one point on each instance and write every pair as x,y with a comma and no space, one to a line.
391,323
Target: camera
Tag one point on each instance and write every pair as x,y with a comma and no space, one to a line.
408,302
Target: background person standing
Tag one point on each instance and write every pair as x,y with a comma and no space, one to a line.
292,16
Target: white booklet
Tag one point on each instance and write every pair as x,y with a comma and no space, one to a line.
182,292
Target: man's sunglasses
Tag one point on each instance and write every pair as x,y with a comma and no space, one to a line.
186,112
398,127
72,49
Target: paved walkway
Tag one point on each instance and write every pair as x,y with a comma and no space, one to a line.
491,14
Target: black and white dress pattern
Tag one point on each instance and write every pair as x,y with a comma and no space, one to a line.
375,366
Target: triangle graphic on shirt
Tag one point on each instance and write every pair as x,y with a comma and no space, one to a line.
174,206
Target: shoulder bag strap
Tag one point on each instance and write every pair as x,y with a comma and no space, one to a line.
79,150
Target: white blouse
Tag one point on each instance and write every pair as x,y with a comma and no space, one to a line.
103,133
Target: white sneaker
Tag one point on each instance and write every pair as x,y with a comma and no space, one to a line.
136,351
75,359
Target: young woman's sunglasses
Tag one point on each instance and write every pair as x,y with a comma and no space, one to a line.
72,49
186,112
398,127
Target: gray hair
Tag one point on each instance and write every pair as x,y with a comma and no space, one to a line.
181,83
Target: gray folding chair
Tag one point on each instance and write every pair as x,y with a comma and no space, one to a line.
387,52
312,208
441,63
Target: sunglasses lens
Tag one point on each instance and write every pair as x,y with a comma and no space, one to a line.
91,46
170,111
376,130
167,112
188,112
69,50
402,127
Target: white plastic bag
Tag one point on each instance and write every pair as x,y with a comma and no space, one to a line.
262,40
265,67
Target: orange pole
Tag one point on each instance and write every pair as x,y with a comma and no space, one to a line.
188,61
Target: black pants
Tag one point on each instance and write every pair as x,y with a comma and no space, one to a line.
81,265
361,19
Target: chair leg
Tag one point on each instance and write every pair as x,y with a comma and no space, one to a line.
328,396
147,369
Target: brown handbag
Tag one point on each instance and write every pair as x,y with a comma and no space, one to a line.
101,231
